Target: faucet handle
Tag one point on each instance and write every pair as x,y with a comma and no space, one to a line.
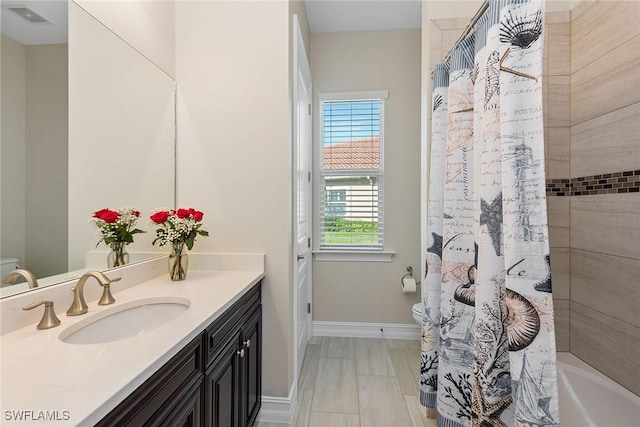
49,318
107,298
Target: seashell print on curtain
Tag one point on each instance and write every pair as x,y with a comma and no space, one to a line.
488,345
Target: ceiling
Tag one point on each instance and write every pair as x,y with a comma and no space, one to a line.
329,16
25,32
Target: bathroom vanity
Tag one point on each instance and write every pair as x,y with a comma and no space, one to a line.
202,367
213,381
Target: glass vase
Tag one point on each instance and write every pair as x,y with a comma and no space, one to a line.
118,255
178,261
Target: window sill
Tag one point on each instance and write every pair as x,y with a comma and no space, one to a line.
352,256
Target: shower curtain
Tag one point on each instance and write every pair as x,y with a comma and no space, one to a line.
488,346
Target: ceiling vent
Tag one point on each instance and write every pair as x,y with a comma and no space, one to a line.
27,14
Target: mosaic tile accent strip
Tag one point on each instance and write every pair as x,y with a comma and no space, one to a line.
607,183
558,187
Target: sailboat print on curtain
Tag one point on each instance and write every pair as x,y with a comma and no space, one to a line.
488,349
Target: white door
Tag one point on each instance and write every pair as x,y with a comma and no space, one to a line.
302,194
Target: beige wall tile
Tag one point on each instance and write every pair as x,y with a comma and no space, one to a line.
608,284
559,36
580,8
600,28
560,272
449,38
321,419
372,357
606,84
621,131
559,237
557,17
558,100
609,345
559,148
607,223
453,23
545,103
381,402
546,149
561,316
545,52
435,44
336,387
559,213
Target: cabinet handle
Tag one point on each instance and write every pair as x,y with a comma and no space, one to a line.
241,353
247,343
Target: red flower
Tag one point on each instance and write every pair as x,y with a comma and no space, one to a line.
197,215
159,217
183,213
109,216
136,213
98,214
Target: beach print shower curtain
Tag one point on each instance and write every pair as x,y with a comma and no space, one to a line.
488,345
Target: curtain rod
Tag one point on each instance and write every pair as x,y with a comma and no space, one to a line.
470,27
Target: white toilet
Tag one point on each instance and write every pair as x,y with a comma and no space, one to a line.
417,313
7,265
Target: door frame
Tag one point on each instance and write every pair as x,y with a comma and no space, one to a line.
300,61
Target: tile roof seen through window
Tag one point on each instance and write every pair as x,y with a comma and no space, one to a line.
357,154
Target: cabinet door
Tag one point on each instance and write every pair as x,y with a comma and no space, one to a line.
222,387
251,368
189,412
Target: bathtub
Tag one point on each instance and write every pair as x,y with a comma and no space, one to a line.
590,399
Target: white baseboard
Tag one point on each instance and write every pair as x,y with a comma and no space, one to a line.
280,410
366,330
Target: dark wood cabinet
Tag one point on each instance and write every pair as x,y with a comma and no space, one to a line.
214,381
222,387
233,377
251,374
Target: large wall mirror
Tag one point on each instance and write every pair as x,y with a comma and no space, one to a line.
86,125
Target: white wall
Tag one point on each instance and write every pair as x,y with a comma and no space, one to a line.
47,159
121,133
234,159
146,25
34,155
13,149
378,60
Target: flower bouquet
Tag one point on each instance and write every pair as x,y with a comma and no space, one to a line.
116,229
179,227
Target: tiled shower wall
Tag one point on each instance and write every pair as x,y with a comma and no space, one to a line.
605,151
592,152
556,80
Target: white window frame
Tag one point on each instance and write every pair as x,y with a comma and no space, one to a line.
355,253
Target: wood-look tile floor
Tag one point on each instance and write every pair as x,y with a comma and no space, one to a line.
359,382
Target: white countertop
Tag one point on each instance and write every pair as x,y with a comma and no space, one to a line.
41,373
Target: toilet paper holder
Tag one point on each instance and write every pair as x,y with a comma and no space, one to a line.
409,274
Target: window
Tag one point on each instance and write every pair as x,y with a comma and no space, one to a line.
351,171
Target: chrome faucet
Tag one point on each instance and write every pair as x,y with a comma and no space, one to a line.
79,305
13,276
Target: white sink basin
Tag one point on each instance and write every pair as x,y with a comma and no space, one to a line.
126,320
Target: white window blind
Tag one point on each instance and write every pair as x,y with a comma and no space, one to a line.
351,198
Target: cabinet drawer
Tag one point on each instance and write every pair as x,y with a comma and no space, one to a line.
148,399
223,328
